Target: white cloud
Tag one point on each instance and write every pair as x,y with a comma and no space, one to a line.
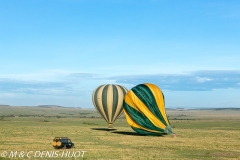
203,79
195,81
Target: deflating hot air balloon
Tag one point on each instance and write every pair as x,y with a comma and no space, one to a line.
108,101
144,109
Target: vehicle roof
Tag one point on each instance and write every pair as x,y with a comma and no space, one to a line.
61,138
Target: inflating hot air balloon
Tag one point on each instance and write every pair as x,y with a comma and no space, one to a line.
108,101
144,109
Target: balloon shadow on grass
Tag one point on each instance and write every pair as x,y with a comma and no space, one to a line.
136,134
127,133
121,132
117,132
103,129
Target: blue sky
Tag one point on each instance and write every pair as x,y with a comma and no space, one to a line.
58,51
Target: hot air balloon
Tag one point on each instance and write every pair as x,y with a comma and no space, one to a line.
108,101
144,109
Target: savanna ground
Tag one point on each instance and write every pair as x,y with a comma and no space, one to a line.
201,134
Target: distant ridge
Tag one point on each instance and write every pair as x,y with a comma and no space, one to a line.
52,106
220,108
49,106
184,109
40,106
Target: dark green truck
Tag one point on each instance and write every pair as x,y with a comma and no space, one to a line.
62,143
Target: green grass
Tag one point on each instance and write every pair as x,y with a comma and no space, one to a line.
200,135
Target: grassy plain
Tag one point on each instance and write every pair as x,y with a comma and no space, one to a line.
201,134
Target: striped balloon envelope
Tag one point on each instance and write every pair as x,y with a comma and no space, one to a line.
144,109
108,101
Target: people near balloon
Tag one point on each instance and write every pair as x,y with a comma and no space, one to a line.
108,101
145,111
174,135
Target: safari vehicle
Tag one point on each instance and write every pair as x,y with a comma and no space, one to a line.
62,143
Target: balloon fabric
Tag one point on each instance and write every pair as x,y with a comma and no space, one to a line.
145,112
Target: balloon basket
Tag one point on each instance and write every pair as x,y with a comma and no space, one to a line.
110,126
